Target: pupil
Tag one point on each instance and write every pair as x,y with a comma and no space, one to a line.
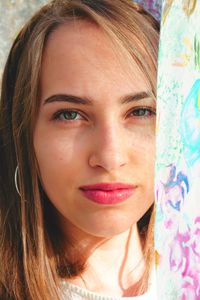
141,112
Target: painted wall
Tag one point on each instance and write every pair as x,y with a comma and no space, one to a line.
177,234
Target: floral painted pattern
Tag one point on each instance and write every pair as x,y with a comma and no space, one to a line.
177,188
153,6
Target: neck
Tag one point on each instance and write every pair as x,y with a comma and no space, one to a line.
114,265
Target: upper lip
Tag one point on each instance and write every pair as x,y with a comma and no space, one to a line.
107,186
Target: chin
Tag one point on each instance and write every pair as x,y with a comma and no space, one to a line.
109,229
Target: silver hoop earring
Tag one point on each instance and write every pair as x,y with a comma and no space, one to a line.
16,184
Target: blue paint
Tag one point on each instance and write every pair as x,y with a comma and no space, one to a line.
190,125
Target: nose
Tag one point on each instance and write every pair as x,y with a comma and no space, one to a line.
110,149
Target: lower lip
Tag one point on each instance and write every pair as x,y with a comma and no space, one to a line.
108,197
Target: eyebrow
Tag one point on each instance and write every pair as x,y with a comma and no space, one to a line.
136,97
85,101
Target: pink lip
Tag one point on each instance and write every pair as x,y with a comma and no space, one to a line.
108,193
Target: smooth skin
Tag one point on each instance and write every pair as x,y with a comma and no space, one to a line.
99,131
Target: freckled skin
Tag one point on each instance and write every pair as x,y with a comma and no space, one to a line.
105,144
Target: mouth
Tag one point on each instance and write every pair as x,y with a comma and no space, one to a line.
108,193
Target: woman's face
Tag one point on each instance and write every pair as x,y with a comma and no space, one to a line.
96,125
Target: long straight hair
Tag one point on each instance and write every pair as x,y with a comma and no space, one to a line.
31,256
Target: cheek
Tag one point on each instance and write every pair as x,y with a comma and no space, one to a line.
57,159
146,152
142,134
144,148
51,153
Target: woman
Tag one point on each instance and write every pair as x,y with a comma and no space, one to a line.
77,147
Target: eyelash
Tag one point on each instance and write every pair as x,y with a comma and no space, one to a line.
57,115
149,110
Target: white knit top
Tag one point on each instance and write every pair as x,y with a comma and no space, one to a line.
74,292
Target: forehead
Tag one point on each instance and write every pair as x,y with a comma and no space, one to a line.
80,39
81,50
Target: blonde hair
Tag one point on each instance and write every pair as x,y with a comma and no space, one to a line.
31,255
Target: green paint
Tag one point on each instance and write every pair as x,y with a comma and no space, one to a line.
196,52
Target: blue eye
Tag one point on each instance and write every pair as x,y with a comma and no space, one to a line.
67,115
142,112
